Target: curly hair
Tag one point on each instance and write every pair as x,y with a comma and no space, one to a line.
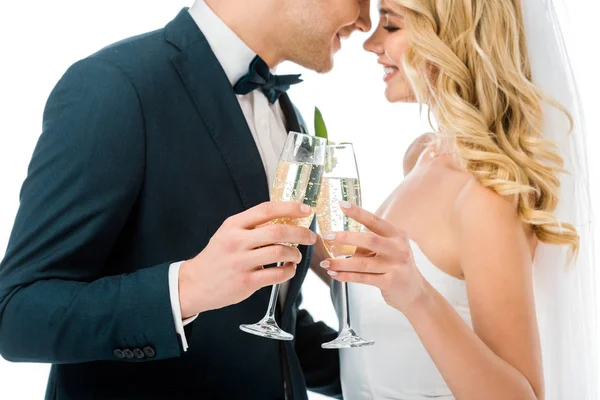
468,62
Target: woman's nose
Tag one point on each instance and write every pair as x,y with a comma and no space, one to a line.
374,43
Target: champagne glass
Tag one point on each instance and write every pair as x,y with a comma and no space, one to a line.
340,182
298,178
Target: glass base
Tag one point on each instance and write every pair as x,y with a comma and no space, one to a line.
267,328
347,339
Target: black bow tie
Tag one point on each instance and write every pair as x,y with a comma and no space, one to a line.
259,76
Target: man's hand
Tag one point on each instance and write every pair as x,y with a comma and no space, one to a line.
230,268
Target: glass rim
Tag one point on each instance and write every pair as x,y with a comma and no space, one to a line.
308,136
340,145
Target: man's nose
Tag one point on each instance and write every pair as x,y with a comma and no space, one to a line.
363,23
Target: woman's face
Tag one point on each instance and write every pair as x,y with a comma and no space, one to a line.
389,43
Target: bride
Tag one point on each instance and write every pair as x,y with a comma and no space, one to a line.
477,267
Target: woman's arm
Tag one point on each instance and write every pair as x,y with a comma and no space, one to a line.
501,357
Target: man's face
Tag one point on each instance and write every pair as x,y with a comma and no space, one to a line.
316,28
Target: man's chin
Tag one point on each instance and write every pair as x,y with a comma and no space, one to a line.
325,68
322,65
320,62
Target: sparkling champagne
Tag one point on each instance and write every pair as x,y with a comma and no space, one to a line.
297,182
330,215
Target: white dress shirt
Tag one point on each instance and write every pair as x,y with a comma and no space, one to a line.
265,120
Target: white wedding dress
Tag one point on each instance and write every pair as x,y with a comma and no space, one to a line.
397,366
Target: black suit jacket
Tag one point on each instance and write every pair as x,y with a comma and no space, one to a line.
144,153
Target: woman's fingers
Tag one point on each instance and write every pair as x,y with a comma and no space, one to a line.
355,277
369,242
361,265
371,221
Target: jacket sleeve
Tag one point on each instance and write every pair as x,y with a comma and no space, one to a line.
59,302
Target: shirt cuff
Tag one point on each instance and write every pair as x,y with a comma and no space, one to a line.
175,306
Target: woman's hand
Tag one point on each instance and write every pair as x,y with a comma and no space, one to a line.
320,254
384,259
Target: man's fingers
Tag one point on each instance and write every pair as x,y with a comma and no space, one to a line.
272,255
279,233
268,211
272,276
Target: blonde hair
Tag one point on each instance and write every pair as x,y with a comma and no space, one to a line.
468,61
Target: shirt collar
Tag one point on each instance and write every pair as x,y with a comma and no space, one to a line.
231,52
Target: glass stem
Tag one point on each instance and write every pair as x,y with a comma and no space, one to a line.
270,315
345,307
272,302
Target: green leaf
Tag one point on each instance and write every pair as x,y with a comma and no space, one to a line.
320,128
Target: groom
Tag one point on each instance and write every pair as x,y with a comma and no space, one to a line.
144,206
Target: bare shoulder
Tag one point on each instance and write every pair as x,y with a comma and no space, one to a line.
477,202
488,224
415,150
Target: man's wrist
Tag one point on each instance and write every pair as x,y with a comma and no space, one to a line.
186,290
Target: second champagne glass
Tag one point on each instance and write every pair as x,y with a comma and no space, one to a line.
298,178
340,182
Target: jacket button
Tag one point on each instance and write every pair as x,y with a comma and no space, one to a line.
119,354
128,353
149,352
139,354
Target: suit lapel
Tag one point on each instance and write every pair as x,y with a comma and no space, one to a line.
218,107
291,117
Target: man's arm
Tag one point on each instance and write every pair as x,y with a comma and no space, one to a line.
56,303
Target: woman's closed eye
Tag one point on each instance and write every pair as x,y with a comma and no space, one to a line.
391,29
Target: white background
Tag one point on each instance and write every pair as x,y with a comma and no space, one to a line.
39,40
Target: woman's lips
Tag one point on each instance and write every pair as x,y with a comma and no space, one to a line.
389,73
